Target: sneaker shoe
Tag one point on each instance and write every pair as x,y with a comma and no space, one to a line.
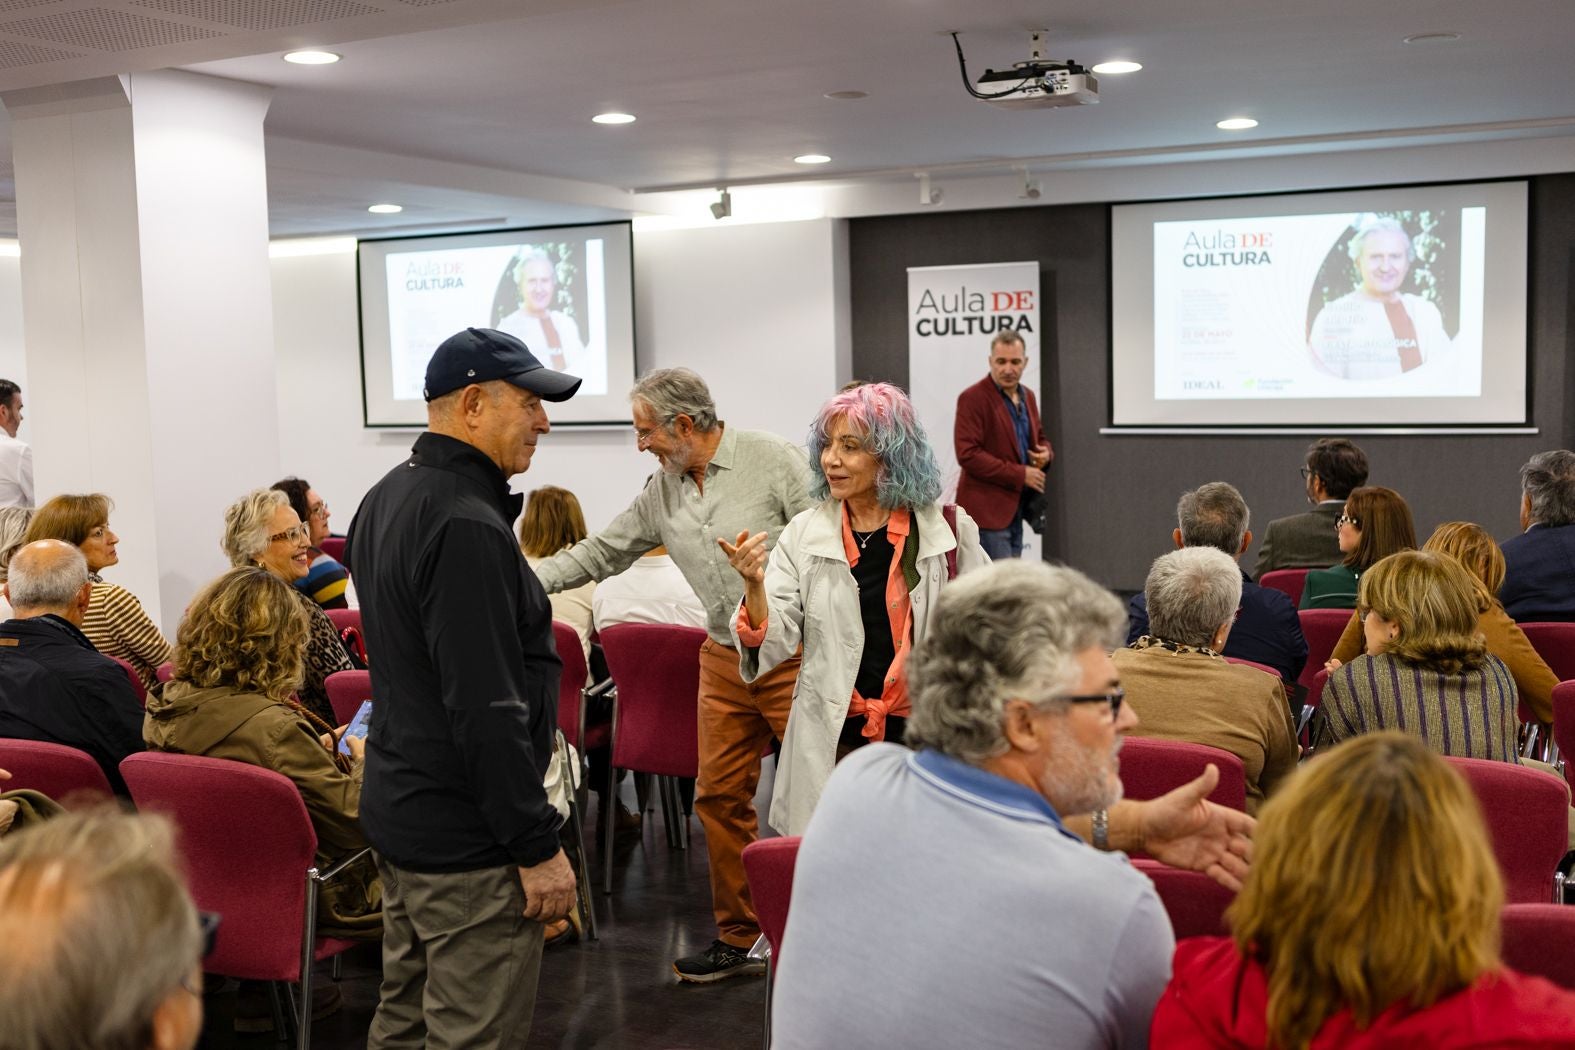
717,963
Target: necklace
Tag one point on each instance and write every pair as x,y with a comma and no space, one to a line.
863,538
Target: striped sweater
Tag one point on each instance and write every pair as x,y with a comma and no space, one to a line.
117,626
1467,715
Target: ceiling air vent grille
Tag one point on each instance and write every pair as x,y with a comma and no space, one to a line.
103,29
254,15
15,53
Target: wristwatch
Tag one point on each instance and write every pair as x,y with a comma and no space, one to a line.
1102,829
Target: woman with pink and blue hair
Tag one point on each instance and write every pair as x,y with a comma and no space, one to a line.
853,581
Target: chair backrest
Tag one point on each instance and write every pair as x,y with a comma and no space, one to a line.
1195,903
136,680
1564,727
1252,663
1527,813
1150,767
1555,643
1290,582
769,865
347,690
1538,940
1322,629
63,773
657,668
571,681
334,547
343,618
246,843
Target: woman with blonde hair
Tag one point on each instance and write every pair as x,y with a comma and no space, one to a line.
1472,547
13,526
553,522
1369,919
115,622
1427,670
239,657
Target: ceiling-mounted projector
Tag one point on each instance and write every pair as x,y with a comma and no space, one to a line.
1038,83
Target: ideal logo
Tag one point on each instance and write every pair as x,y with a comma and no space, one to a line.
1200,384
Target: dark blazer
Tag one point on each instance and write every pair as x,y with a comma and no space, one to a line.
55,687
1539,574
1267,629
991,484
1301,541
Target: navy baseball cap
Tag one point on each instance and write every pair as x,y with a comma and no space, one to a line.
479,355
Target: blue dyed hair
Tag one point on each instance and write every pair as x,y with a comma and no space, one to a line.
908,476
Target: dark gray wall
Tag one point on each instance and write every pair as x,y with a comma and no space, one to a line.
1113,498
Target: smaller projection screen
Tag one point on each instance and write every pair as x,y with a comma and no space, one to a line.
1396,307
568,292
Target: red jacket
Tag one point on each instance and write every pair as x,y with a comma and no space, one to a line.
992,473
1217,1000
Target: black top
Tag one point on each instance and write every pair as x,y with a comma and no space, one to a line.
870,574
55,687
464,670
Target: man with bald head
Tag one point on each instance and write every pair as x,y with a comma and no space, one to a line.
54,686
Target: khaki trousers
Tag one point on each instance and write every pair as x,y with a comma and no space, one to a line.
736,722
460,960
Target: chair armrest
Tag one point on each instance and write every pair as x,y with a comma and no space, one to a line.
341,866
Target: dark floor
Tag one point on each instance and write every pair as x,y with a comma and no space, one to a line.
618,991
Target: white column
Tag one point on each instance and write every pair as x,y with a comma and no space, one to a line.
143,224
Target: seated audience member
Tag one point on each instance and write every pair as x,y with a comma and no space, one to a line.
54,686
1539,564
652,590
1375,523
1334,467
326,581
23,808
1472,547
1267,630
1017,716
115,624
13,526
1183,689
1370,920
260,529
553,522
238,657
103,947
1427,671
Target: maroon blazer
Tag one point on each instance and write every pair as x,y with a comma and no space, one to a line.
992,475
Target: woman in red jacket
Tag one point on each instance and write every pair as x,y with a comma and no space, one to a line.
1370,920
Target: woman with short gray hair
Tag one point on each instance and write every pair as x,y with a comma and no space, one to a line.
13,526
1183,689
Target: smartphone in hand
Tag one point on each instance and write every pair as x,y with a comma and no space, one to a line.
357,727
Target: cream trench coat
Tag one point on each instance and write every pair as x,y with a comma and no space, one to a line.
813,601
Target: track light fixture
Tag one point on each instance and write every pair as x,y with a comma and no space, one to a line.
1032,191
928,196
723,206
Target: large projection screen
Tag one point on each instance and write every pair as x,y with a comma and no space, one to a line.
1397,307
567,291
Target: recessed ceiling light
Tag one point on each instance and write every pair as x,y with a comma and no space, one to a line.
812,158
1432,38
386,209
613,118
312,58
1236,124
847,95
1118,67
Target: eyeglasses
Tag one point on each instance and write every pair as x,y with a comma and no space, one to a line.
1113,698
294,534
1346,519
1306,472
319,511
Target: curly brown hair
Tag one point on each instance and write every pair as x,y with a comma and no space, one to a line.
244,631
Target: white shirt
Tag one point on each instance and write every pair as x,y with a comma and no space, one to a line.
652,590
16,472
590,365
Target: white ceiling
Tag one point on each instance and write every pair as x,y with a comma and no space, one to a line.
479,110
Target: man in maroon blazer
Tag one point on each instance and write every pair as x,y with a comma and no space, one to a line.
1001,448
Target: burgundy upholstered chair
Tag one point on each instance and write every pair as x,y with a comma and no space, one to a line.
769,865
347,691
1289,582
1527,813
1539,938
1195,903
1322,629
1150,768
65,774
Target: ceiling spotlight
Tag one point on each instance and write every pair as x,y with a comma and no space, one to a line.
386,209
613,118
812,158
723,206
1031,188
1236,124
928,196
1117,67
312,58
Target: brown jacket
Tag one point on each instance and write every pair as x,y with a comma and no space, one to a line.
1534,680
247,727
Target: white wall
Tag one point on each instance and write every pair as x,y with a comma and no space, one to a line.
753,309
13,361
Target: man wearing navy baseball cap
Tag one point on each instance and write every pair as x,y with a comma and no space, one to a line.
464,701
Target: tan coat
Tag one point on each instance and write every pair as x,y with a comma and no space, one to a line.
1201,698
247,727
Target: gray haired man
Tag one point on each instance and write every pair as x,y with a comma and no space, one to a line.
1018,717
1539,564
715,483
